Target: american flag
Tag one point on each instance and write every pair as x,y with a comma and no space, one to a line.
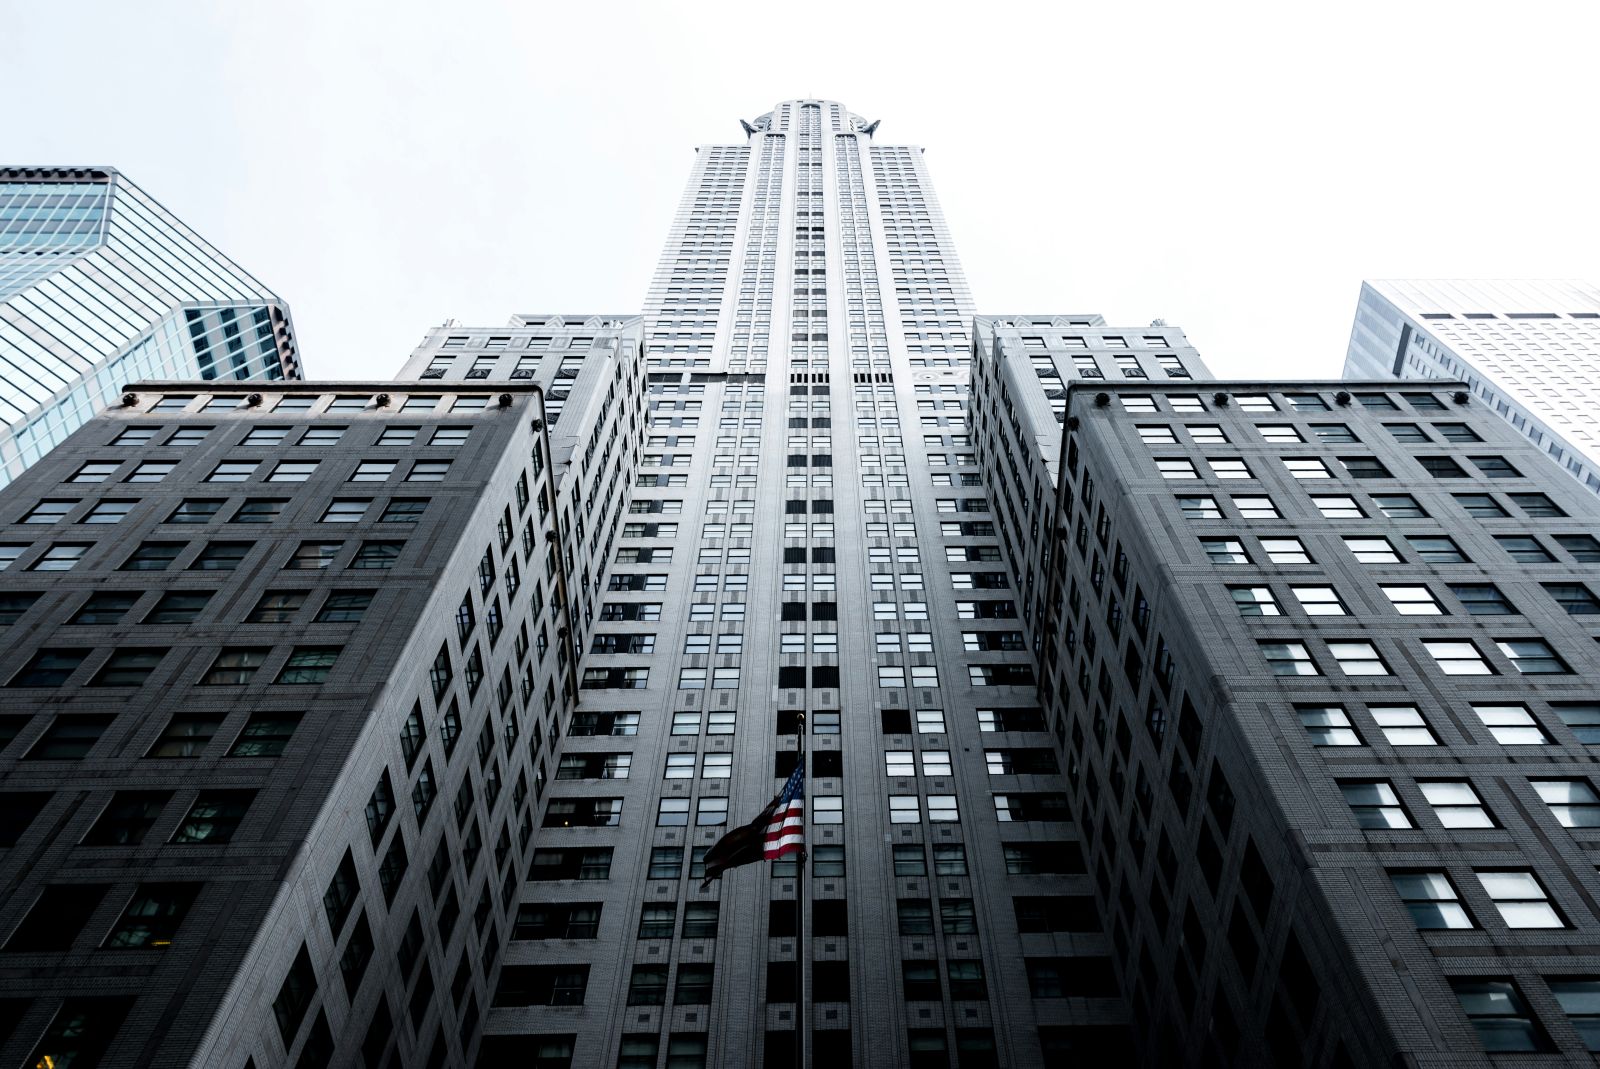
786,829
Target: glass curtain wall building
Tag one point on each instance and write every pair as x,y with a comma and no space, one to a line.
99,286
1527,348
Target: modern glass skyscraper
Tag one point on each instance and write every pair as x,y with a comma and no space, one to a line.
101,285
1528,348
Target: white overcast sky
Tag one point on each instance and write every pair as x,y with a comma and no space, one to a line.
1234,169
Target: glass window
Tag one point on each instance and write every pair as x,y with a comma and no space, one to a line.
1285,551
1583,718
428,471
1358,658
1585,549
1497,1012
1412,600
1482,599
1483,506
1524,548
1375,805
1372,550
1575,598
1328,725
1254,601
1337,506
1511,725
1436,550
259,510
1431,899
233,471
1573,802
1319,600
1521,899
1307,468
1455,803
60,557
1579,999
1225,550
1288,659
1458,658
293,471
1532,656
346,510
192,510
1403,725
1399,506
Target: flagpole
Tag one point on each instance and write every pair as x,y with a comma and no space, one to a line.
802,950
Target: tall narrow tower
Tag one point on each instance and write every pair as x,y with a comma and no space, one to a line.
810,544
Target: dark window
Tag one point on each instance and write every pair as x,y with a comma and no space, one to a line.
17,810
57,916
357,954
1537,505
195,510
214,817
152,916
1499,1014
1524,548
186,735
1482,599
129,667
1575,598
234,666
380,808
70,738
1087,977
221,557
265,735
105,607
563,920
1584,548
277,606
377,555
345,606
294,997
1437,550
126,819
49,668
1399,506
1057,913
1483,506
178,607
308,665
694,985
259,510
152,557
1496,467
543,985
393,868
81,1033
1442,467
340,897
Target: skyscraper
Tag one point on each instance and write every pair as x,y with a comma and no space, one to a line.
1527,348
1149,717
101,285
